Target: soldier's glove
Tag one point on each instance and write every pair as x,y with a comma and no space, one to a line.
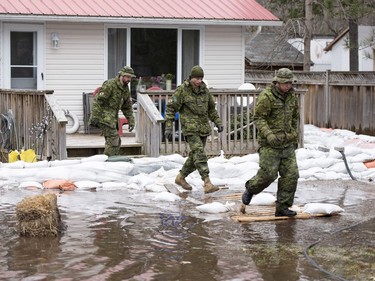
94,122
291,136
272,139
168,133
131,127
220,129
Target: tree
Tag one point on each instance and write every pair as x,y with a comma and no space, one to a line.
303,18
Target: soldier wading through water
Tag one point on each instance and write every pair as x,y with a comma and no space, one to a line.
196,107
114,95
276,118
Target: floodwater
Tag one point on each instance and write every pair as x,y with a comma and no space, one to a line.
125,235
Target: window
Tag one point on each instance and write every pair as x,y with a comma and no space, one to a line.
153,52
116,50
190,51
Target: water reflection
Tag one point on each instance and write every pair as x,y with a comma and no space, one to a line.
32,255
114,235
273,249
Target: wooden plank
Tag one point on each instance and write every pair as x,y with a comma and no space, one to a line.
267,213
264,217
172,188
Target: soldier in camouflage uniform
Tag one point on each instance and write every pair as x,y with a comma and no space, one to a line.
276,117
196,107
114,95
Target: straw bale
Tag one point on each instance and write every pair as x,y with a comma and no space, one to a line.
38,215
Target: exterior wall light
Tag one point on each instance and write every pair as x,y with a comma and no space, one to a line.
55,40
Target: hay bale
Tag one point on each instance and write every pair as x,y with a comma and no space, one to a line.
38,216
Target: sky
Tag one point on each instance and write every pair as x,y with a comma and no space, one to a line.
319,159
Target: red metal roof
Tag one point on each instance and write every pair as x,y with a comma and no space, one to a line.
222,10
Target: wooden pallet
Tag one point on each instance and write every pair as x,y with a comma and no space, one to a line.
267,213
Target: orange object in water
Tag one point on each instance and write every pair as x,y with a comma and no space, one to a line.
370,164
59,184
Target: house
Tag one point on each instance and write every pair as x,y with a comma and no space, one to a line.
366,50
321,60
72,46
269,51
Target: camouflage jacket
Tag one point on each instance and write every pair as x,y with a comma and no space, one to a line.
111,98
278,114
195,108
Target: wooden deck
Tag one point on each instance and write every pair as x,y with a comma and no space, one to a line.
85,145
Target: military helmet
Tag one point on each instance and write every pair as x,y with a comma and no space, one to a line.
196,71
126,70
284,75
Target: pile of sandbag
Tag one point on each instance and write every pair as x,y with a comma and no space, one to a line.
38,216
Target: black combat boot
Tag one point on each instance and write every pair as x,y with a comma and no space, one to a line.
246,197
285,213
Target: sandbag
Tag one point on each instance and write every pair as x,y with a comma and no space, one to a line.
59,184
322,208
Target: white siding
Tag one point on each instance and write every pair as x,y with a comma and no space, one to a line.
77,66
340,52
1,54
224,56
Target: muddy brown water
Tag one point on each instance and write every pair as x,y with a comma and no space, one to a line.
125,235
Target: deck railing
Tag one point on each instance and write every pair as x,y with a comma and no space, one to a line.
235,107
32,119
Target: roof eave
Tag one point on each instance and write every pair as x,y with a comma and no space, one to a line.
133,20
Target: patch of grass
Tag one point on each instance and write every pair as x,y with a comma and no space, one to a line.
353,263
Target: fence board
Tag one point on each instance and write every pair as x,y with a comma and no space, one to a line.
338,100
39,123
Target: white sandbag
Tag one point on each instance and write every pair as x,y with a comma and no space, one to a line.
304,174
174,158
223,170
246,166
215,207
263,199
351,150
361,157
67,162
27,184
148,160
38,164
358,167
155,187
141,180
338,167
95,158
254,157
333,153
303,154
316,162
14,165
113,185
165,196
87,184
343,133
322,208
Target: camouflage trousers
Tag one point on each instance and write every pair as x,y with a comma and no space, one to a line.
112,140
274,162
197,159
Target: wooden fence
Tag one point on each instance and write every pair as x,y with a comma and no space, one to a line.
235,109
32,120
338,100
